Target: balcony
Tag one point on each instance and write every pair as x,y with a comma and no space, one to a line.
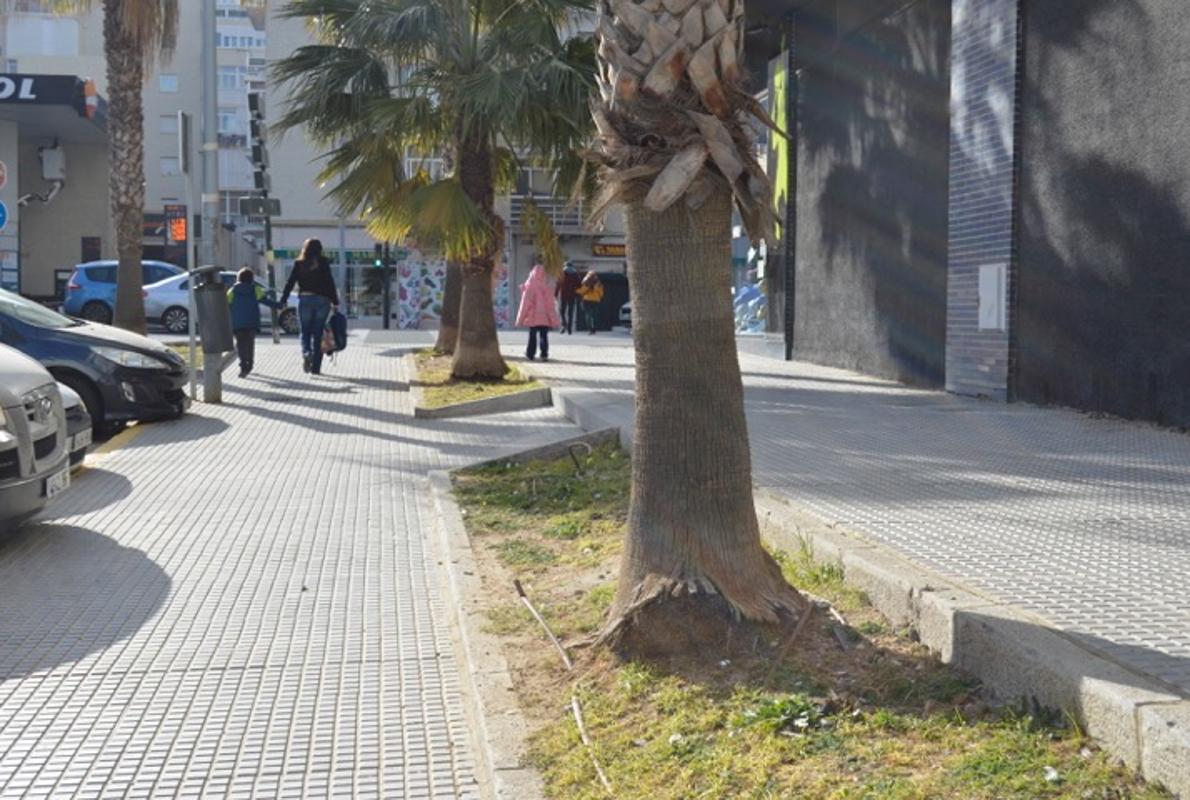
566,218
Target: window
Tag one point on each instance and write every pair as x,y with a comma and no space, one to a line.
167,82
168,124
101,274
169,166
41,36
229,77
229,121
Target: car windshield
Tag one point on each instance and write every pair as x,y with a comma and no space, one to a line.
17,307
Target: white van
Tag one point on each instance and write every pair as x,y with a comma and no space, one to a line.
34,462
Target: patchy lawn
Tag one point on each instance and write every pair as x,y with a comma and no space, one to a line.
854,711
440,389
183,349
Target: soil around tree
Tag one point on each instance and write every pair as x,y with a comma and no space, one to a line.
440,389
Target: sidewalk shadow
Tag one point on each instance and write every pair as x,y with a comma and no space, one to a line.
68,592
93,489
190,428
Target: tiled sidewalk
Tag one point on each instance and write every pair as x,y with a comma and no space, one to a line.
1083,521
241,603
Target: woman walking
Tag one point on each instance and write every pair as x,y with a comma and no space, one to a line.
317,295
591,291
537,312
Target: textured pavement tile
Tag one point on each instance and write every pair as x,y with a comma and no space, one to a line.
241,602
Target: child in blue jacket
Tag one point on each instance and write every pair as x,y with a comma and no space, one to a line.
245,298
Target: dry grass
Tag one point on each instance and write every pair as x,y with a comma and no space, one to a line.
183,349
440,389
881,719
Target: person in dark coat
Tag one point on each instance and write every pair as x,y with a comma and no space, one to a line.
567,293
317,296
245,299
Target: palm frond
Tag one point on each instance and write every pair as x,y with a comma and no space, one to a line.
545,238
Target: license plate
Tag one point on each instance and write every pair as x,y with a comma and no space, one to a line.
80,440
57,483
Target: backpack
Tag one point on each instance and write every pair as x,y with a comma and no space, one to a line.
338,328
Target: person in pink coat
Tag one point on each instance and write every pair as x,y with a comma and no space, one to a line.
538,312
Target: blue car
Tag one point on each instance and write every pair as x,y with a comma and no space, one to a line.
119,376
91,290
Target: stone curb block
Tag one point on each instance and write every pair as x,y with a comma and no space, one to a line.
1165,745
498,727
554,449
1014,654
590,413
502,404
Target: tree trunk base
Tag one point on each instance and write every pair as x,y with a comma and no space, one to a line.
474,364
691,620
448,336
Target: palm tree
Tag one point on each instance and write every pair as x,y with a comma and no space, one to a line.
134,33
675,149
478,80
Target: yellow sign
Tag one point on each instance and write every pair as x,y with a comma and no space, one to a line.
609,250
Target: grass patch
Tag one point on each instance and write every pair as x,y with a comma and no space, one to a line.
882,719
183,349
440,389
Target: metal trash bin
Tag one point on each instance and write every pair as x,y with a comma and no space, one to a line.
214,314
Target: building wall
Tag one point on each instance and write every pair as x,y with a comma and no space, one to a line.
9,194
983,191
1104,283
872,185
51,236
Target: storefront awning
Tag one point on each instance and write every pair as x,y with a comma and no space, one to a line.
62,107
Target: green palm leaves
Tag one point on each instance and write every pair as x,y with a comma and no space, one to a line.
390,83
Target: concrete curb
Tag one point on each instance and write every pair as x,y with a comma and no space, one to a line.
497,724
502,404
1016,655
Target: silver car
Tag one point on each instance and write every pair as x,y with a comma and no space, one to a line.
34,462
167,303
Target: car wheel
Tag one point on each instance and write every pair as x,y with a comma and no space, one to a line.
97,311
176,320
289,322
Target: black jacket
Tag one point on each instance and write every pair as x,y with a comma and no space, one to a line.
312,279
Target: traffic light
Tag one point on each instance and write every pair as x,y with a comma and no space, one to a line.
379,262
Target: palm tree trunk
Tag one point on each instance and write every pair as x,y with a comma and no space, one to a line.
478,352
126,162
448,329
693,562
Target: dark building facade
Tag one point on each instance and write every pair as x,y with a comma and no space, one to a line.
989,196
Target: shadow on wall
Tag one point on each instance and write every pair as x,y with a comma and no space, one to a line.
69,592
1104,281
872,206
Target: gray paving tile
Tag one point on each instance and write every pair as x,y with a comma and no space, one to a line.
241,603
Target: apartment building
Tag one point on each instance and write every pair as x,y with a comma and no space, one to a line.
42,241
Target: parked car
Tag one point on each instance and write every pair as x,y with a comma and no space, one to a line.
91,290
120,376
167,303
78,425
34,466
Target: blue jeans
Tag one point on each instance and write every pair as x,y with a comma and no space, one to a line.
313,311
